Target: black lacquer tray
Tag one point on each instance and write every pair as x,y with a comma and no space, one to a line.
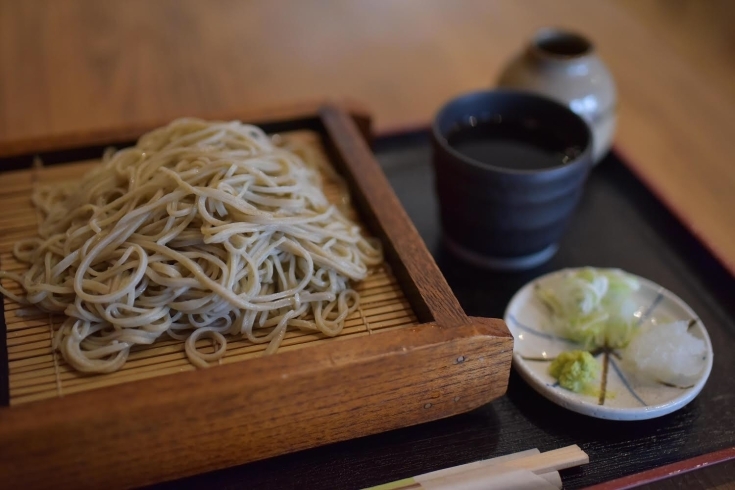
619,224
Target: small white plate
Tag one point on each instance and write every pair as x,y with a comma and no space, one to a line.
626,397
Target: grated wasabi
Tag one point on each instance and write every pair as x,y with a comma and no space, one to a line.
575,370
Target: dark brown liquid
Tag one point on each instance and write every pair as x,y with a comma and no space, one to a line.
518,145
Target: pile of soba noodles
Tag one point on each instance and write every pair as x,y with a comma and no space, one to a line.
200,230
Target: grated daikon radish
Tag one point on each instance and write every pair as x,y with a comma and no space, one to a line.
666,353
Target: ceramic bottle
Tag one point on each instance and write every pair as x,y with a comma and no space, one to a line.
564,66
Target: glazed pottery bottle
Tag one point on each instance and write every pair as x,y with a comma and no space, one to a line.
563,65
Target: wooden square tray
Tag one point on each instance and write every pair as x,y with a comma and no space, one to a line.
409,355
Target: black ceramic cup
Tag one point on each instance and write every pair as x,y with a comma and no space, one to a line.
500,217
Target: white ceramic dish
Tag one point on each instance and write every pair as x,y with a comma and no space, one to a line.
626,397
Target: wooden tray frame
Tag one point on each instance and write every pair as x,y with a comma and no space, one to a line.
177,425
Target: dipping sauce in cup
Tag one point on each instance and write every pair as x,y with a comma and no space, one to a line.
509,169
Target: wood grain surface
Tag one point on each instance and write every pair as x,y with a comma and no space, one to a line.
79,65
279,118
432,298
209,419
83,65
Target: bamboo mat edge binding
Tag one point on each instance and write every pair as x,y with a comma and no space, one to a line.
27,365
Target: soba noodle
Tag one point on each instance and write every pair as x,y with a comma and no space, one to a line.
200,230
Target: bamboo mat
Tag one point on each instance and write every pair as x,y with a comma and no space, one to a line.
36,372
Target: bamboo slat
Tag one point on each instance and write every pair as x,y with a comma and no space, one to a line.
36,372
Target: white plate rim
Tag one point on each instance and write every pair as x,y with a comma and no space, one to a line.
571,402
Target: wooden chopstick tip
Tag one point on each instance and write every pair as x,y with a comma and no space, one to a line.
483,471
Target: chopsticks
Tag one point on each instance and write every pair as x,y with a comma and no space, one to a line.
523,470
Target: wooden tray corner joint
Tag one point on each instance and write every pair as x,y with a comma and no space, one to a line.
433,363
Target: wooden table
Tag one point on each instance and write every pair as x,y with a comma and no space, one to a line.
76,65
81,64
70,66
